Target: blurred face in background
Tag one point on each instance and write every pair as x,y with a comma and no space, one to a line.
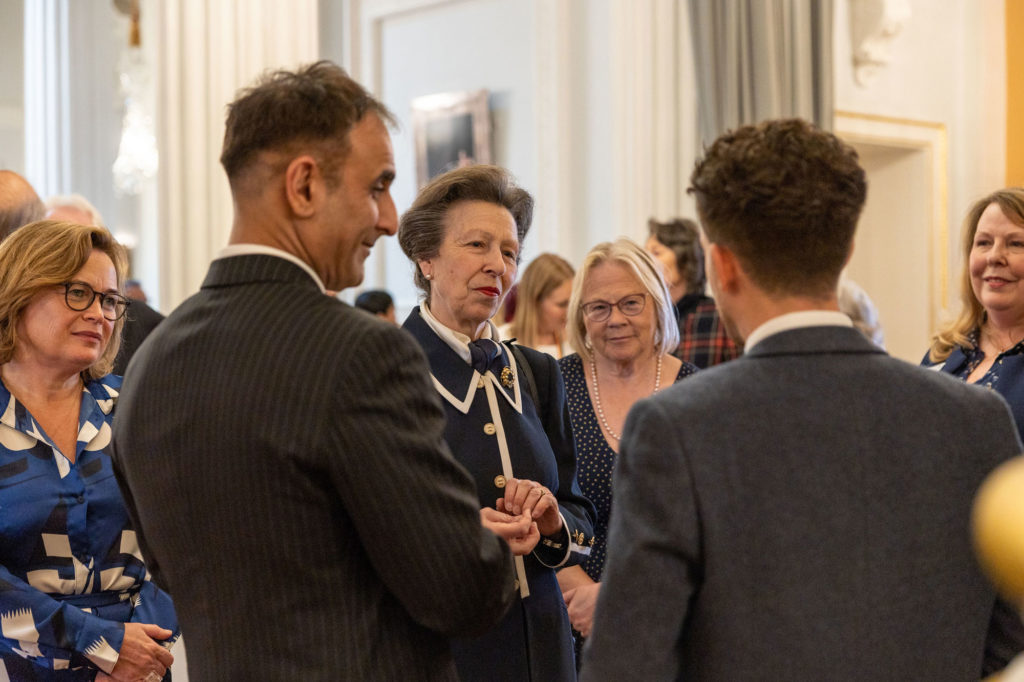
669,268
554,309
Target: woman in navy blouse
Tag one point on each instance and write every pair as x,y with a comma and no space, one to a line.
507,419
75,599
984,345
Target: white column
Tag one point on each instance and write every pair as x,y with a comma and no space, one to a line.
655,115
47,97
553,221
208,50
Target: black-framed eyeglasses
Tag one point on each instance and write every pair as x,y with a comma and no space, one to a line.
80,296
599,311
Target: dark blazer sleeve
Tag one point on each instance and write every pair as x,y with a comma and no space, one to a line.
655,564
577,511
413,506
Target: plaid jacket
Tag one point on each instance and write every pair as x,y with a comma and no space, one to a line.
702,337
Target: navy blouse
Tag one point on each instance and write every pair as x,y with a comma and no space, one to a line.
71,573
1006,376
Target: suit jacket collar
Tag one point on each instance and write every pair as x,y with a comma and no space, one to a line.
813,341
453,377
250,269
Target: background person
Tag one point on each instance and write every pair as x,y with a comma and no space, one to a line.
379,303
463,234
703,339
542,305
983,345
282,449
75,599
803,511
19,203
73,208
623,328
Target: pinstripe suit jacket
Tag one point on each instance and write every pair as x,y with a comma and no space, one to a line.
802,513
282,456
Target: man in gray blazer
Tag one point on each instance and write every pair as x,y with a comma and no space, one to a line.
802,512
281,452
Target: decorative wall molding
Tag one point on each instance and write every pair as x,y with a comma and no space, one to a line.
874,25
932,138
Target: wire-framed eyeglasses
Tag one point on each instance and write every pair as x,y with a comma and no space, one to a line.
80,296
599,311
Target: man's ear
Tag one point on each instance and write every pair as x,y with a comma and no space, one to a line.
301,185
726,267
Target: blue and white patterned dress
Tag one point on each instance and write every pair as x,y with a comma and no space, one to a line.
71,573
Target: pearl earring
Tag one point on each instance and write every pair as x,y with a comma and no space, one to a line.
427,276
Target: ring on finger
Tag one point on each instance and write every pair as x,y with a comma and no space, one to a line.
153,677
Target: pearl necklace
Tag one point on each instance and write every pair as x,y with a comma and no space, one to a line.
597,394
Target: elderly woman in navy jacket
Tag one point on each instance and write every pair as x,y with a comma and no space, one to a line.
508,422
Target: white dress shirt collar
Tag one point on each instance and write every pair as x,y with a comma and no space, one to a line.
797,320
232,250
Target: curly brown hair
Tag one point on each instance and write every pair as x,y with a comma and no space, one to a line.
784,196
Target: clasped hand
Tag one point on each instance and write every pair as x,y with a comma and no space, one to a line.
141,654
527,511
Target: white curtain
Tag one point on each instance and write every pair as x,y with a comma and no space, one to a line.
760,59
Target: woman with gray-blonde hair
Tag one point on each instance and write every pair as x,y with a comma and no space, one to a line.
622,325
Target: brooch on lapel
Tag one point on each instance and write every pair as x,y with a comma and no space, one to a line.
506,377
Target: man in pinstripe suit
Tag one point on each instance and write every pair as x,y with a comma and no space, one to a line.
282,452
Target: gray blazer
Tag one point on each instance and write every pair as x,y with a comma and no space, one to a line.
282,456
802,513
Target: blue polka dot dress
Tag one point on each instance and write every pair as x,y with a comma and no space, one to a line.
595,459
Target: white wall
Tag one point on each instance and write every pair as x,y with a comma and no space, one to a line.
591,103
948,67
12,115
449,48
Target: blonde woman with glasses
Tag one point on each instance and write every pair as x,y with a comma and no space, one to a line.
622,326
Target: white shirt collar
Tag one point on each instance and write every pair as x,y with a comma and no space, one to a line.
262,249
797,320
458,341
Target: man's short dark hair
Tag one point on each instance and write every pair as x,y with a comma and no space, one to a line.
375,301
314,107
784,196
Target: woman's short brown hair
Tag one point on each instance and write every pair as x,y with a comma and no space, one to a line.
422,227
44,254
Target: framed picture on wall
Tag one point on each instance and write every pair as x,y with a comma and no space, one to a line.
450,130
